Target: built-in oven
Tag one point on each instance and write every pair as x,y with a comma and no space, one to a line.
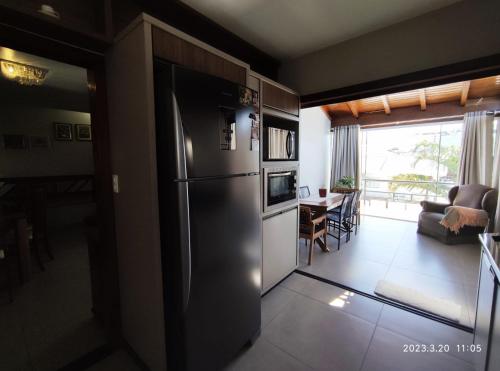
281,139
280,187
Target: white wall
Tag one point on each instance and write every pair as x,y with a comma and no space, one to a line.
463,31
61,158
314,149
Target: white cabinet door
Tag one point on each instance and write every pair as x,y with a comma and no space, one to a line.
279,256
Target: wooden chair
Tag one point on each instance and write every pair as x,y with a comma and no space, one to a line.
311,228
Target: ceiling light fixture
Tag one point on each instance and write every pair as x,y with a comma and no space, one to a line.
24,74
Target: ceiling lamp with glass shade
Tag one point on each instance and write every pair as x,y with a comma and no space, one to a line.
23,74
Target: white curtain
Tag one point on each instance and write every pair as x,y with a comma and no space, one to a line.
345,153
476,159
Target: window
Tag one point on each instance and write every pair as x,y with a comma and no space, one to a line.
402,166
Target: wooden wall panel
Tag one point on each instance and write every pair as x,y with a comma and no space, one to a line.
179,51
274,97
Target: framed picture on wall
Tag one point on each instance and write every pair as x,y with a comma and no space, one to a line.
39,142
14,141
63,132
83,132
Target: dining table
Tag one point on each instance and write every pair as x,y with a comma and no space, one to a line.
321,205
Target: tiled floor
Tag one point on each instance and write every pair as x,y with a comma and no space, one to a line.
310,325
50,323
392,250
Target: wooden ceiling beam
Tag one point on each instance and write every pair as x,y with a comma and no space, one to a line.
465,92
414,114
387,107
423,100
354,110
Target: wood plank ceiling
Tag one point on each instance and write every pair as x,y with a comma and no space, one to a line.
459,92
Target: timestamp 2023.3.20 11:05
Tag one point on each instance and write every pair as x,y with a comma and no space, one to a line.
441,348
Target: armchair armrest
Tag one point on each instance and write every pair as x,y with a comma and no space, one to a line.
433,207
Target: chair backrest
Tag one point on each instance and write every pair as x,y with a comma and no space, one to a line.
305,215
304,192
355,202
346,210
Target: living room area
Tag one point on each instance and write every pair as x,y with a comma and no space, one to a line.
416,175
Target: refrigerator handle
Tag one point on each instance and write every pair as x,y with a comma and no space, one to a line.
185,242
183,193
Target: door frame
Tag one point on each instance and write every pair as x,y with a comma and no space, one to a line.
94,62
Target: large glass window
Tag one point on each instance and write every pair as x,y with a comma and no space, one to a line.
404,165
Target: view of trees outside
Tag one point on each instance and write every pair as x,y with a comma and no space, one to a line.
410,163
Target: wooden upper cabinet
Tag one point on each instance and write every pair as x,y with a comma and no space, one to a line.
177,50
275,97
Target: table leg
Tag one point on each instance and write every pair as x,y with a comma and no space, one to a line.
23,249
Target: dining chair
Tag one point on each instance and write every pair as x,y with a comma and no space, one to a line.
355,213
304,192
311,228
338,217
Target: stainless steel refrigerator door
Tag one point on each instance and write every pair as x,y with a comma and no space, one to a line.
223,308
215,127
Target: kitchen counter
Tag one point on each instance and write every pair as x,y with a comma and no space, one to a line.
491,250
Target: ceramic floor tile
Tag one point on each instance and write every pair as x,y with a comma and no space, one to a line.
386,354
347,269
274,302
336,297
319,336
424,330
264,356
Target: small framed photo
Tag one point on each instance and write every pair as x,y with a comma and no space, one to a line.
63,132
83,132
14,141
39,142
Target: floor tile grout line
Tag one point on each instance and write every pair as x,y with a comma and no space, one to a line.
371,338
287,353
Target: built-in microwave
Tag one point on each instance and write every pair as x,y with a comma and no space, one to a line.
280,187
281,137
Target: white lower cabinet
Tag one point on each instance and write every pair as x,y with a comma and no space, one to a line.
279,257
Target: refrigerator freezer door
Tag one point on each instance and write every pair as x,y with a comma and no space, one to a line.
216,127
223,308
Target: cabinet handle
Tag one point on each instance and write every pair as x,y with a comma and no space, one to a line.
492,271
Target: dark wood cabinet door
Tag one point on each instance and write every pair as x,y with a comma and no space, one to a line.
274,97
176,50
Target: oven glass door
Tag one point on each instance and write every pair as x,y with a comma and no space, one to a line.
281,187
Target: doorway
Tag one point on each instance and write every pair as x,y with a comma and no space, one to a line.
55,301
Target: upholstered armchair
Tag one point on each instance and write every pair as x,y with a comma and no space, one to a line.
475,196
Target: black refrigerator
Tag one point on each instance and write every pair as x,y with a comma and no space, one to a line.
208,183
